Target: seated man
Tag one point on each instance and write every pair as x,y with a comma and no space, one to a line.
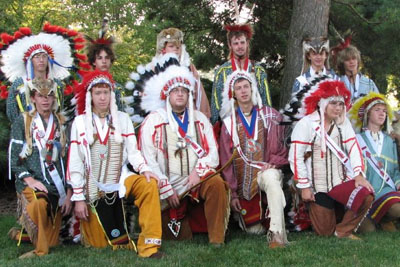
372,117
178,143
254,131
102,139
326,161
36,159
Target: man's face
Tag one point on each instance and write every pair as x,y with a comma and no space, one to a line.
101,96
377,114
43,103
39,62
317,59
178,98
172,47
351,65
239,46
103,61
334,109
242,90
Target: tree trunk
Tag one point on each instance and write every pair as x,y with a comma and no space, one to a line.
309,19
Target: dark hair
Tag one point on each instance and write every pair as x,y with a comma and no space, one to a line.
95,49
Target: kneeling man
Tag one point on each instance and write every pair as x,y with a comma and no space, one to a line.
178,143
372,117
327,162
37,147
254,175
102,139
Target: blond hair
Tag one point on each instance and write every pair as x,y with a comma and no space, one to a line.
346,54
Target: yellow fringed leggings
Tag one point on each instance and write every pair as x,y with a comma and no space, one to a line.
148,202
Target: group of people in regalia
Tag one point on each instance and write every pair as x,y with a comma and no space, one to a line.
82,145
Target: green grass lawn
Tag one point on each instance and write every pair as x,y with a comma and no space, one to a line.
306,249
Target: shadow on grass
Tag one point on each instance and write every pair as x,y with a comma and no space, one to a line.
306,249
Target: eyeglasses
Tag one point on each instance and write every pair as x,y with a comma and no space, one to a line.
40,56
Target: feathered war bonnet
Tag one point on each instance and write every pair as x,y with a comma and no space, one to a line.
61,46
168,75
229,100
319,96
316,44
358,113
84,102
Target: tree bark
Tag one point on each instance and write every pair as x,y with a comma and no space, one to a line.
309,19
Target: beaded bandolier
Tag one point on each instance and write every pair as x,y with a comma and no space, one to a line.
324,179
105,170
247,175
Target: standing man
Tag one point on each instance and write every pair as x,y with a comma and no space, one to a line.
36,160
102,141
101,56
327,162
348,66
254,175
238,38
372,117
315,61
178,143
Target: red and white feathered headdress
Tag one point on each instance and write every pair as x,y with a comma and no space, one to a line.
157,89
60,44
84,102
319,96
326,90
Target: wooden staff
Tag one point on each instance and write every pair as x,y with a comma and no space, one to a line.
184,194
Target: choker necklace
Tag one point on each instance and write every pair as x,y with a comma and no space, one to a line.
179,113
247,113
101,115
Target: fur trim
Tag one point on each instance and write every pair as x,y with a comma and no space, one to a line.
172,35
89,118
317,44
115,119
358,114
